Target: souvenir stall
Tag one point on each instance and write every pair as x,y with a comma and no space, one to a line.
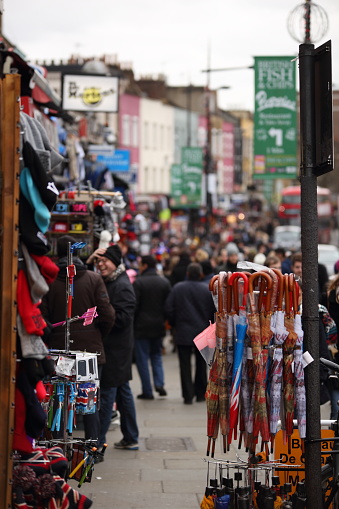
42,391
255,388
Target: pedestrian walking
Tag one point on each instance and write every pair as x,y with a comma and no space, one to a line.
119,344
151,291
89,291
189,309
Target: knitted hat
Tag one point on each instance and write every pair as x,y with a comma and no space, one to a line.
32,346
42,215
43,181
48,269
114,254
35,415
30,313
37,284
62,245
232,248
34,239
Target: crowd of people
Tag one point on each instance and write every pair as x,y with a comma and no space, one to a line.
140,298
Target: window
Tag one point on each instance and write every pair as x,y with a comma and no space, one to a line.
135,131
146,144
155,136
126,137
146,179
161,137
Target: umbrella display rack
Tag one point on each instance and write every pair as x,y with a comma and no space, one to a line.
72,391
256,376
253,484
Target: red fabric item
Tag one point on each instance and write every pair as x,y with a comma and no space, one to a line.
49,270
30,313
20,440
40,391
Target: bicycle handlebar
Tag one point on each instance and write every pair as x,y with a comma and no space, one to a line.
329,364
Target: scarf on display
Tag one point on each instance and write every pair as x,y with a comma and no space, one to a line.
119,270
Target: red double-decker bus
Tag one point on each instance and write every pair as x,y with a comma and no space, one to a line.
289,210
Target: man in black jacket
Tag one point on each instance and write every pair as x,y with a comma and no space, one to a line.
151,291
189,309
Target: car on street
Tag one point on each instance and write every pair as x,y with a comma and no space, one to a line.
287,237
328,255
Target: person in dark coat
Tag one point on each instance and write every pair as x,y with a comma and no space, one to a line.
89,291
189,309
119,344
179,270
151,291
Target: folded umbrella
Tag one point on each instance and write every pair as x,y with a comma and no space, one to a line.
240,328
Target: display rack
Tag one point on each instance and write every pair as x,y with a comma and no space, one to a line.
9,219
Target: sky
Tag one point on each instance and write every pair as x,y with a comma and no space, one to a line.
179,38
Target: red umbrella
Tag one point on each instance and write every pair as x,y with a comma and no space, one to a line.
259,343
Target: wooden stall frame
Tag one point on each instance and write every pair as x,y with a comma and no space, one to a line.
9,234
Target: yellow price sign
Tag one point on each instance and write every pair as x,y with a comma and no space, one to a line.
295,458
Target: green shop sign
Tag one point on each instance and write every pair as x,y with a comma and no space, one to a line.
275,118
186,179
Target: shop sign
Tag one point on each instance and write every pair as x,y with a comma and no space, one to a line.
295,459
118,161
275,118
85,92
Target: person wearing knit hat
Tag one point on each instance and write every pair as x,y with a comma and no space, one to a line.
114,254
119,348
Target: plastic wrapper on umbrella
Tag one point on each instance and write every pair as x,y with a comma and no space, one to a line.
239,344
260,417
299,382
206,343
288,352
276,370
213,286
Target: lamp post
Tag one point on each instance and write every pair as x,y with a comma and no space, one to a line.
208,156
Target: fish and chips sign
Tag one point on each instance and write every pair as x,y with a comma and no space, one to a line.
275,118
85,92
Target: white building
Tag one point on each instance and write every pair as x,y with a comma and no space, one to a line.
156,146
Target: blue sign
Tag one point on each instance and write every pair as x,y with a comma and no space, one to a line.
119,161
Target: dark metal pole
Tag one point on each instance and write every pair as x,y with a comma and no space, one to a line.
310,290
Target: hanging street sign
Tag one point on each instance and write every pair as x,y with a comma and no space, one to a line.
186,179
275,118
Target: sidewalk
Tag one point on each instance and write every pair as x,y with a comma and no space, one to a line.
168,470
